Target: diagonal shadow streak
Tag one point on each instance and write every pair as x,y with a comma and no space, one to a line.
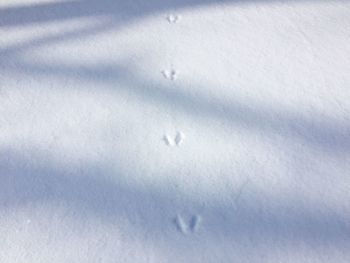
90,192
118,12
116,9
70,9
12,51
331,137
56,11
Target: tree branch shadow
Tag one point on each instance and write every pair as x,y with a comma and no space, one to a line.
94,191
97,191
120,11
327,135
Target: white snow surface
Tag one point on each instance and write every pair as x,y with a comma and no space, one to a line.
174,131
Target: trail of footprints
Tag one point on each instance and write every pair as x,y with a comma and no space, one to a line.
171,74
192,224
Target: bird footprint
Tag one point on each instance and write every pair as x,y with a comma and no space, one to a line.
174,141
173,18
190,227
170,74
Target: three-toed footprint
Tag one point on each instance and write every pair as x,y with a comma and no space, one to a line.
172,141
170,74
173,18
188,227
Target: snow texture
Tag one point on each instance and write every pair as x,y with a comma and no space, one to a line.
175,131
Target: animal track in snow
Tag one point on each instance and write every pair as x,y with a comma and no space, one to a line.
170,74
169,141
181,225
190,227
173,18
177,140
195,222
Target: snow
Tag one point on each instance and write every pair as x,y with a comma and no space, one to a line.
174,131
